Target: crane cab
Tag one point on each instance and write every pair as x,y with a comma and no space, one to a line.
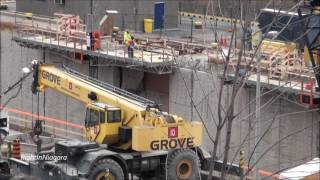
102,123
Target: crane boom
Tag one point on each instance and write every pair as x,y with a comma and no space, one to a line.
117,117
138,100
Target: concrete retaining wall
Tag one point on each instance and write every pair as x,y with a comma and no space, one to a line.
131,13
288,119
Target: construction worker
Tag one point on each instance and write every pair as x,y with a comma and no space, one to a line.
126,37
129,42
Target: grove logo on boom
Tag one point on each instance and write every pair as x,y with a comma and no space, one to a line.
51,77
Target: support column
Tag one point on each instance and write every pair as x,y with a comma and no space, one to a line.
0,60
93,68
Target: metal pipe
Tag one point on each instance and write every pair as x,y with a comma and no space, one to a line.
257,129
191,30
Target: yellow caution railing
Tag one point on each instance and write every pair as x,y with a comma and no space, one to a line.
213,18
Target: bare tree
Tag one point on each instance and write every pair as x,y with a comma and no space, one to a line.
241,67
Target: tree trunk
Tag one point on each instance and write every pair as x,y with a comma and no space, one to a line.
214,153
227,145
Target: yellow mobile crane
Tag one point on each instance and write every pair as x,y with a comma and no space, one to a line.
140,139
117,117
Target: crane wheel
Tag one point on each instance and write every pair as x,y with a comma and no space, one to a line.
183,164
107,169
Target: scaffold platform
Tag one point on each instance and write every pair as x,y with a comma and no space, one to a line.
159,63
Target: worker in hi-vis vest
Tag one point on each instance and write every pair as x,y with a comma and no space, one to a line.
126,37
128,41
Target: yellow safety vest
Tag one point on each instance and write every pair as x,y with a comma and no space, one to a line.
126,37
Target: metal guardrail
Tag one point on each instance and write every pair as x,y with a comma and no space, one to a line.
213,18
114,54
40,32
31,16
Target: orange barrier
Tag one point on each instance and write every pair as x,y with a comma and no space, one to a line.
264,173
16,151
45,118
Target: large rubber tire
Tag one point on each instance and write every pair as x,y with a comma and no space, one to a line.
182,165
99,171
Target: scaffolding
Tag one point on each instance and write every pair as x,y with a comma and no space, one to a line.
113,54
285,71
65,34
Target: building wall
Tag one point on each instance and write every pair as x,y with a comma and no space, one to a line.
157,88
291,131
131,12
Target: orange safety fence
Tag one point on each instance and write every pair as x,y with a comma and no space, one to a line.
44,118
264,173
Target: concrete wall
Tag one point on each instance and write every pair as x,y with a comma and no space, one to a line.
284,119
131,12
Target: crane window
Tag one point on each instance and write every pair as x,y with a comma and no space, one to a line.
102,117
114,116
93,117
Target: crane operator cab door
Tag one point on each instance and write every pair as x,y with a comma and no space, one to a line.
102,123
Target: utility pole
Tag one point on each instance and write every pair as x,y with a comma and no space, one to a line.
257,128
91,15
191,33
91,7
180,7
0,63
93,68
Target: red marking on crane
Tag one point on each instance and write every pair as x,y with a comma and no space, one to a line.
173,132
